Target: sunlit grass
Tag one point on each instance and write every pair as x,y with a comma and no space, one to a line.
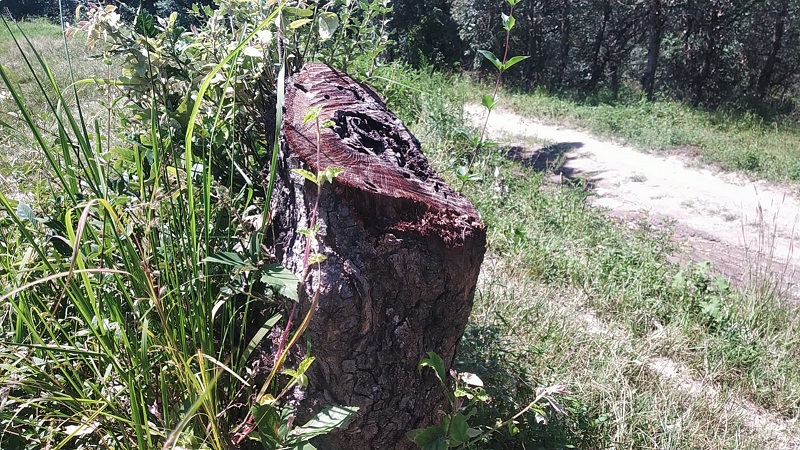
20,167
570,295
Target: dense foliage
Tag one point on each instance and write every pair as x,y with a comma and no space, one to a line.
137,289
742,52
705,52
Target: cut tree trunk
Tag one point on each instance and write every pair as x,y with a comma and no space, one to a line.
403,255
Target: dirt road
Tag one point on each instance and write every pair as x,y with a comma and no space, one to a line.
746,228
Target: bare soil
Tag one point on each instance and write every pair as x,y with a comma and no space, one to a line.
746,228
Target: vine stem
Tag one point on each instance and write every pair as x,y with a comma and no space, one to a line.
248,425
494,91
542,394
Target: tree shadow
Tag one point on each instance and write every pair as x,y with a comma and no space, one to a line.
552,159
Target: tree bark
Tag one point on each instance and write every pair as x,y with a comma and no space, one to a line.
403,255
765,78
598,62
656,23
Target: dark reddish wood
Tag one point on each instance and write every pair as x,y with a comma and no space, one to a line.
404,251
380,156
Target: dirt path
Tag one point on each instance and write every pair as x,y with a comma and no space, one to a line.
745,228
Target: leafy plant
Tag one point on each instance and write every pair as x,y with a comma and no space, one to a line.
137,294
463,401
489,101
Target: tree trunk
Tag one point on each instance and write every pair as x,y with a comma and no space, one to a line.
598,62
403,255
614,71
765,78
708,52
565,38
656,28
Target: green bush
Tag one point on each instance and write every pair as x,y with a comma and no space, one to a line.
136,293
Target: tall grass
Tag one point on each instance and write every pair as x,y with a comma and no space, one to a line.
117,333
137,292
20,164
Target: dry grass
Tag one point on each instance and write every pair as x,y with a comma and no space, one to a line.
20,164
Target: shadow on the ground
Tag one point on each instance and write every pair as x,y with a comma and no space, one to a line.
552,159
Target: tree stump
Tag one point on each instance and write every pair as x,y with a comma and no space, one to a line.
403,255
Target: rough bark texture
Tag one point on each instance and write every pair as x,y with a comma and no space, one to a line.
765,78
656,22
403,254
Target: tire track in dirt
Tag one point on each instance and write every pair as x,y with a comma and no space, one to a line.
746,228
781,433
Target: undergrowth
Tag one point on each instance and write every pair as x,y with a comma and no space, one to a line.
123,292
570,295
136,284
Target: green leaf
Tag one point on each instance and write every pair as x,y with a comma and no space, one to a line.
310,233
25,212
183,112
317,258
720,284
513,430
436,363
329,174
299,12
431,438
325,421
328,23
508,22
298,23
145,24
513,61
488,101
262,332
312,114
282,279
490,56
459,429
712,308
306,174
228,259
679,281
268,422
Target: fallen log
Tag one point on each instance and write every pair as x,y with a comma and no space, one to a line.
403,255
